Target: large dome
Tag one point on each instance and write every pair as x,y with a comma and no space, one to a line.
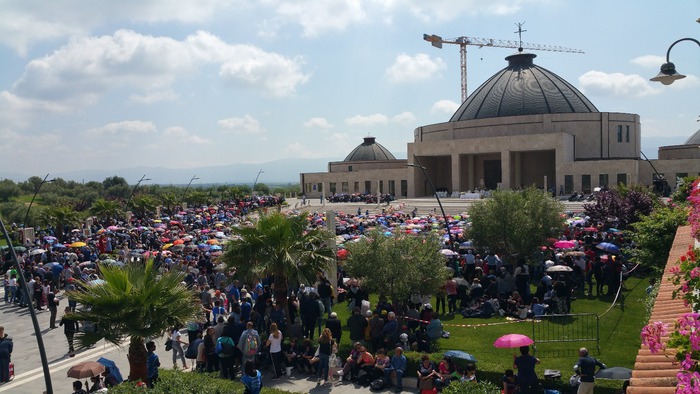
369,150
523,88
693,139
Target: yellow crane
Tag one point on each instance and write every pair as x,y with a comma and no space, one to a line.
463,41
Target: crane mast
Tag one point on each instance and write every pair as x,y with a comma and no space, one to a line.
463,41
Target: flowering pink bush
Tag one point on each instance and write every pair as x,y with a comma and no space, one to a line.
686,334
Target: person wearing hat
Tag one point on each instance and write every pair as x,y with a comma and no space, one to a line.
335,326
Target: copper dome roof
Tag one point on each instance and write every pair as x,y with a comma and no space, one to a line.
369,150
523,88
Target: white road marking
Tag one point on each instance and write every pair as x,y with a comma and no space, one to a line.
20,379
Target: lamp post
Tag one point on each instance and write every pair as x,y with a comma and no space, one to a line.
256,180
143,178
25,289
432,186
26,215
194,178
668,73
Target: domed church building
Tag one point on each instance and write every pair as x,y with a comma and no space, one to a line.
524,126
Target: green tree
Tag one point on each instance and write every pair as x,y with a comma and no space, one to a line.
169,201
60,217
262,189
515,222
143,206
106,209
281,246
653,235
8,190
135,302
114,181
397,265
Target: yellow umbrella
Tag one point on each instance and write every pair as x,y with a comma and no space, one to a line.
213,242
166,246
78,244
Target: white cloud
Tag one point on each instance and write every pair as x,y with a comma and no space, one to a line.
318,17
26,22
175,131
649,61
180,134
436,11
404,118
444,107
689,82
245,125
154,97
367,121
321,123
616,84
80,72
124,127
408,68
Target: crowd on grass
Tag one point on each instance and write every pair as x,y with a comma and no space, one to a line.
243,326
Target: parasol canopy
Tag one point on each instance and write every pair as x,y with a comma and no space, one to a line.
512,341
85,370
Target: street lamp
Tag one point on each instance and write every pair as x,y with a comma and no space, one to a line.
26,215
143,178
668,73
194,178
435,193
25,289
256,180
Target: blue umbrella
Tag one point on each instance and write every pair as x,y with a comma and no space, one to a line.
608,247
458,354
215,247
113,369
466,244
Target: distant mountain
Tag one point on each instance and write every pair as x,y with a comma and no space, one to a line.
274,172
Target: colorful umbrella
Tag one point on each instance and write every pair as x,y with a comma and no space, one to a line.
78,244
564,244
608,247
513,340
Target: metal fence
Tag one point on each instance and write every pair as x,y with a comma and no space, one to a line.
581,328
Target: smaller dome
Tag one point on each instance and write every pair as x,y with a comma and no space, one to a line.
693,139
369,150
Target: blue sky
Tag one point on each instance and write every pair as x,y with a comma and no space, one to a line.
109,85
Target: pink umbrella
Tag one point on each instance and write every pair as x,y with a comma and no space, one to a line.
564,244
513,340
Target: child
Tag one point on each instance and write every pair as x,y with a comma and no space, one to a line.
152,364
510,382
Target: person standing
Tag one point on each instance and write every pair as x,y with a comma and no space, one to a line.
249,343
325,347
70,327
335,326
357,325
274,342
6,347
177,343
52,304
585,369
527,377
152,364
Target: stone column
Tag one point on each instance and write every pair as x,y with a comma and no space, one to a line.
505,170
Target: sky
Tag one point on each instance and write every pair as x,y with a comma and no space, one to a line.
194,83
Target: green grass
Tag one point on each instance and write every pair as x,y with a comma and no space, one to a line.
619,337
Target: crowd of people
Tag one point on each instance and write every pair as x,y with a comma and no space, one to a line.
244,327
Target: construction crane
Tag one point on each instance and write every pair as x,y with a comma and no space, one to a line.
437,42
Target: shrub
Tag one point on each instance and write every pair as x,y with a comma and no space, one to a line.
471,388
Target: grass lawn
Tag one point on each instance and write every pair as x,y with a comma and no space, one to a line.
619,337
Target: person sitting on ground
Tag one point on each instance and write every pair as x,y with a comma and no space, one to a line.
510,382
351,361
396,369
291,353
426,373
537,309
364,363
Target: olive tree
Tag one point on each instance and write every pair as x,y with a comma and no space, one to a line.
514,223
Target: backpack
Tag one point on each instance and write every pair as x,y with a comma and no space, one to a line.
250,345
377,384
224,348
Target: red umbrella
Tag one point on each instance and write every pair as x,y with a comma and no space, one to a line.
513,340
342,254
591,229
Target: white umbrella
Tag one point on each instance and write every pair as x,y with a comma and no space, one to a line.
448,252
36,252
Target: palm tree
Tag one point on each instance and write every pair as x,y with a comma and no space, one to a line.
143,206
60,217
135,302
106,209
281,246
169,201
